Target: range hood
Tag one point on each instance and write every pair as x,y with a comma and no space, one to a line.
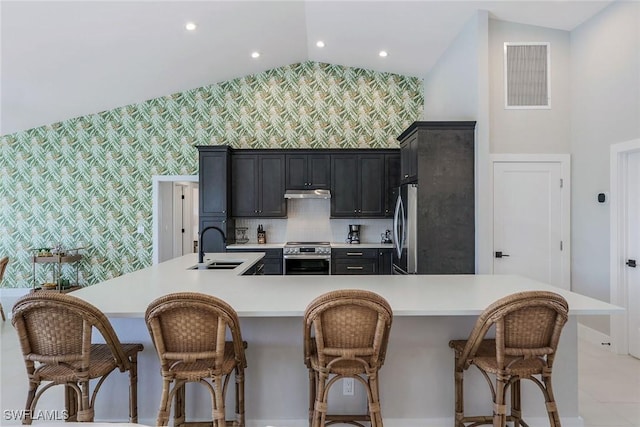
307,194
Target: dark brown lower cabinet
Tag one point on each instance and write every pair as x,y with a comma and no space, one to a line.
361,261
271,264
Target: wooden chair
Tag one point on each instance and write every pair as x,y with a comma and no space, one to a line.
527,330
55,336
3,266
188,330
345,336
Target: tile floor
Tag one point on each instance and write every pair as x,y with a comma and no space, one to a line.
609,389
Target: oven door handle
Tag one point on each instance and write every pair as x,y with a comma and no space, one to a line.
327,257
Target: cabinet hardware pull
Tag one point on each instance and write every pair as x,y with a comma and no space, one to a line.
354,268
354,253
406,176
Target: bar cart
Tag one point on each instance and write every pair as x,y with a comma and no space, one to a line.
57,259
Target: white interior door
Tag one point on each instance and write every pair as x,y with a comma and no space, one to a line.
528,224
632,257
178,228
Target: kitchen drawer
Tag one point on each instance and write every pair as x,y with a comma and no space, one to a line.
355,266
271,263
269,253
355,253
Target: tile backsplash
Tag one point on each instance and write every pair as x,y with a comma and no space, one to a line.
308,220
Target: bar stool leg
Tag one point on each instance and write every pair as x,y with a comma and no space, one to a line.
239,397
179,415
499,407
320,404
219,412
552,409
70,403
313,384
459,396
516,406
374,404
133,389
165,408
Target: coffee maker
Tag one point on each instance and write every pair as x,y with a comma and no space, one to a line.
354,233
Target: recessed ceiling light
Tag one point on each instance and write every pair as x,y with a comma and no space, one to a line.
320,43
255,55
190,26
383,53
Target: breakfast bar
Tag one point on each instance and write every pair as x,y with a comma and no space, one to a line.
416,382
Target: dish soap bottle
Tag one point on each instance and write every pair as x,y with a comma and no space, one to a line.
262,236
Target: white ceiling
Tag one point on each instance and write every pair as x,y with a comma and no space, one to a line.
66,59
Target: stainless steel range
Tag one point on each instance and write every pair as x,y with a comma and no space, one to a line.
309,258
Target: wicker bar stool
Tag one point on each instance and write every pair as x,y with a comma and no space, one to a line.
55,336
188,330
3,266
527,331
345,336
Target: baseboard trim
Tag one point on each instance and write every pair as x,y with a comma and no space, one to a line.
402,422
594,337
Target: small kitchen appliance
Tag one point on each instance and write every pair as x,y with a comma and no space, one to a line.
354,233
386,237
308,258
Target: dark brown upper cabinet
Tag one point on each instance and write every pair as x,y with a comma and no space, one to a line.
308,171
258,185
213,180
358,185
409,158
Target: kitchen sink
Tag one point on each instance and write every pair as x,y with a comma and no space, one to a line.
217,265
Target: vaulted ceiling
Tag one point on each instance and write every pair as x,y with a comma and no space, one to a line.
62,59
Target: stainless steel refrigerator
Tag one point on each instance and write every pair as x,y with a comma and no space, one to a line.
405,221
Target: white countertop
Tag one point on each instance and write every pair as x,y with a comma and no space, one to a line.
287,296
333,245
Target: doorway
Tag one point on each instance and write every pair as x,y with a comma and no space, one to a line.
175,216
625,245
531,217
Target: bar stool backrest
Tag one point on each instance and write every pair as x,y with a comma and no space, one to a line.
189,326
55,328
348,324
527,324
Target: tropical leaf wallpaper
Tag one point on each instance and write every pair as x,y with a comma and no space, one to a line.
87,181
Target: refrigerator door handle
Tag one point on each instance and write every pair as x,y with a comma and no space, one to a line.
398,217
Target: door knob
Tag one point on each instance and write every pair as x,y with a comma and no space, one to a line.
631,263
499,254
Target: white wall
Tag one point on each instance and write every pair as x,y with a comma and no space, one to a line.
530,131
457,88
605,86
308,221
451,88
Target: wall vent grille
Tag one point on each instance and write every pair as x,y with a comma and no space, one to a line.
527,75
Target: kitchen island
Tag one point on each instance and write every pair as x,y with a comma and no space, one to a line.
416,380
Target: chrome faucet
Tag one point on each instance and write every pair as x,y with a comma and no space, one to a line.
201,248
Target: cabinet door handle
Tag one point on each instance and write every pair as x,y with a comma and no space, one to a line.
354,253
406,176
354,268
